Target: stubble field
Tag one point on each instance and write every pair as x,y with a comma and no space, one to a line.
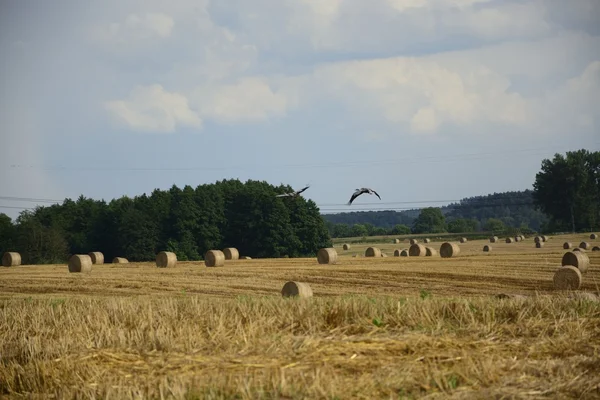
395,327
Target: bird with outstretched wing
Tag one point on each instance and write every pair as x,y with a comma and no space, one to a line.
360,191
293,194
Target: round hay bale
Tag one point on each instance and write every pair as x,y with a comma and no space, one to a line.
296,289
372,252
593,236
214,258
567,245
584,245
401,253
567,278
430,252
120,260
417,250
166,259
426,240
383,255
346,246
413,241
463,240
97,257
396,241
522,237
539,245
577,249
544,238
576,259
509,240
596,248
448,250
487,248
11,259
517,239
231,253
494,239
80,263
245,258
537,239
327,256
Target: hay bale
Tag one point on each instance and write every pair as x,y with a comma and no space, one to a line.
544,238
296,289
522,237
346,246
567,245
494,239
463,240
448,250
596,248
579,250
417,250
396,241
578,260
426,240
593,236
97,257
166,259
567,278
487,248
327,256
517,239
584,245
401,253
120,260
539,245
383,255
80,263
214,258
430,252
11,259
231,253
413,241
372,252
245,258
509,240
537,239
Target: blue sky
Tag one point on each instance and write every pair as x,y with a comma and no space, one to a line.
421,100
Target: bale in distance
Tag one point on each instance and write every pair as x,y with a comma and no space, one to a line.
80,263
584,245
413,241
544,238
426,240
417,250
596,248
214,258
97,257
517,238
463,240
509,240
296,289
166,259
120,260
11,259
396,241
430,252
539,245
448,250
577,249
401,253
327,256
593,236
567,245
346,246
576,259
372,252
231,253
487,248
537,239
383,254
245,258
494,239
567,278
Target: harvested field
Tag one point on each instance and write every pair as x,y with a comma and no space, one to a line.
375,327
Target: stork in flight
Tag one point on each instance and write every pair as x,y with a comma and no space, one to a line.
360,191
293,194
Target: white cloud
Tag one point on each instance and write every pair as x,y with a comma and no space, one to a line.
152,109
135,27
150,24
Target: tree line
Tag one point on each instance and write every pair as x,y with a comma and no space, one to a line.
188,221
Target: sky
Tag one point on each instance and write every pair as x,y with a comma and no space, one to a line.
424,101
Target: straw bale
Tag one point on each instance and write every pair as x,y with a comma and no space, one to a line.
494,239
584,245
231,253
80,263
346,246
448,250
11,259
166,259
414,241
430,252
214,258
517,238
396,241
426,240
417,250
509,240
567,277
97,257
579,250
463,240
537,239
539,245
383,254
401,253
567,245
487,248
245,258
327,256
596,248
372,252
593,236
120,260
544,238
576,259
296,289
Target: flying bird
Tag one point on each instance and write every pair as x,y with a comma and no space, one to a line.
293,194
360,191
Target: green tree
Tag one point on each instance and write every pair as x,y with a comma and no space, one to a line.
400,229
430,220
7,233
460,225
494,225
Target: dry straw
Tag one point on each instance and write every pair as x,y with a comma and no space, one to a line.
544,238
214,258
166,259
463,240
97,257
396,241
346,246
579,250
593,236
518,238
80,263
567,278
596,248
11,259
245,258
487,248
372,252
494,239
567,245
448,250
417,250
383,254
584,245
296,289
430,252
576,259
401,253
509,240
231,253
539,245
120,260
537,239
414,241
327,256
426,240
